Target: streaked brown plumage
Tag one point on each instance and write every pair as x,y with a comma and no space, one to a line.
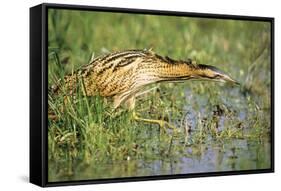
121,75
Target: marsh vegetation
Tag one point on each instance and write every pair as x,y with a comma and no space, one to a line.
222,127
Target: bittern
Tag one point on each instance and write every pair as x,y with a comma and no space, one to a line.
122,75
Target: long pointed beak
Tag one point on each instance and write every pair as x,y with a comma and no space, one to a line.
226,78
214,70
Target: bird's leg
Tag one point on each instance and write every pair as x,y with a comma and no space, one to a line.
161,123
146,91
130,104
116,101
114,111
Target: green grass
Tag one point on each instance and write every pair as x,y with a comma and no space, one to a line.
87,132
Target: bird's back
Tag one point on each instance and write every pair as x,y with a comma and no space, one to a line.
110,74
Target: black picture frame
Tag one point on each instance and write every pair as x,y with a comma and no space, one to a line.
39,90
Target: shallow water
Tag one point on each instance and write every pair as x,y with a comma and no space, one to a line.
233,155
211,155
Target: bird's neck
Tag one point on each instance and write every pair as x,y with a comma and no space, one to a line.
176,72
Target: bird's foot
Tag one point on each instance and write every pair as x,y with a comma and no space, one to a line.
162,124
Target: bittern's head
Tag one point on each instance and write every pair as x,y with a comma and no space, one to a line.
207,72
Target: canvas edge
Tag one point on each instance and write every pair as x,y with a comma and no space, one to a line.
42,172
35,132
157,12
272,22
